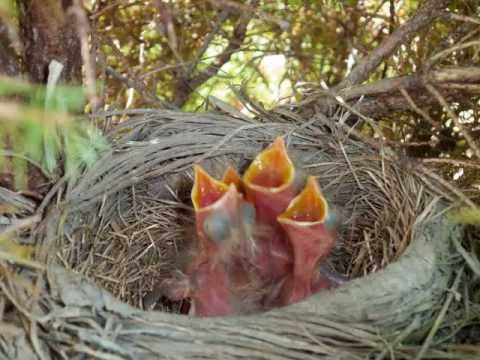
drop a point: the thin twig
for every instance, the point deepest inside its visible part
(470, 260)
(402, 336)
(450, 50)
(206, 43)
(463, 18)
(83, 30)
(456, 162)
(137, 85)
(453, 189)
(466, 134)
(20, 224)
(425, 14)
(419, 111)
(12, 258)
(186, 85)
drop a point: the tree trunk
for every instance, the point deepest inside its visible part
(48, 31)
(9, 64)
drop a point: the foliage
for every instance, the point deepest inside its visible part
(11, 251)
(149, 51)
(6, 8)
(466, 215)
(42, 129)
(314, 40)
(317, 40)
(290, 47)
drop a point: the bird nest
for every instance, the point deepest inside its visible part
(126, 224)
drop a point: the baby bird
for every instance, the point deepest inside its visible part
(216, 274)
(311, 238)
(260, 242)
(269, 185)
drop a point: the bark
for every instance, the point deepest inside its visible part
(49, 33)
(384, 97)
(9, 62)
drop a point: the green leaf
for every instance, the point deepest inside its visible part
(465, 215)
(7, 8)
(13, 251)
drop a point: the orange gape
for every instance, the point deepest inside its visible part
(269, 185)
(260, 243)
(310, 240)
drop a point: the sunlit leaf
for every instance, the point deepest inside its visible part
(34, 139)
(7, 8)
(10, 247)
(465, 215)
(44, 129)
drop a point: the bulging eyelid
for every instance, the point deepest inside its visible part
(217, 226)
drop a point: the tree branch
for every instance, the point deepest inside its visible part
(465, 132)
(138, 86)
(384, 97)
(425, 15)
(198, 56)
(387, 104)
(442, 77)
(187, 84)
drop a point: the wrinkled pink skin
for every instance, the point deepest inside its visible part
(215, 287)
(210, 292)
(211, 295)
(286, 259)
(310, 243)
(289, 253)
(274, 258)
(216, 274)
(228, 204)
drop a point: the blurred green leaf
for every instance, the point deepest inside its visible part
(45, 131)
(7, 8)
(465, 215)
(69, 98)
(19, 164)
(11, 249)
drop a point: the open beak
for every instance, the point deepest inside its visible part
(207, 194)
(310, 239)
(269, 185)
(206, 190)
(230, 176)
(220, 211)
(222, 217)
(269, 180)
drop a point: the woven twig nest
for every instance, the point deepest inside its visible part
(123, 227)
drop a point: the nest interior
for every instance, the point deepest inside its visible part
(136, 222)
